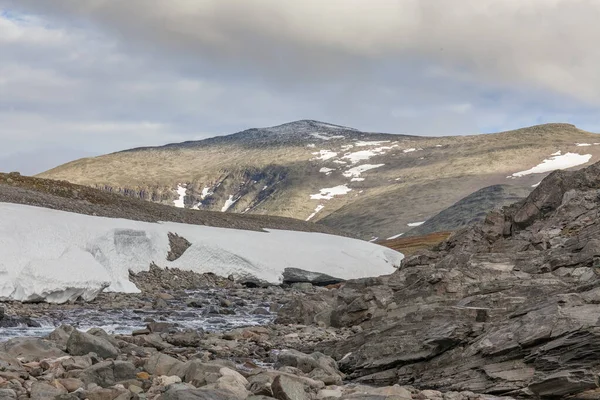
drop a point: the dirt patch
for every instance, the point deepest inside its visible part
(411, 245)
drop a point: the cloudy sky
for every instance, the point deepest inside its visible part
(84, 77)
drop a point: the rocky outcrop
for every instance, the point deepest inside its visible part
(509, 306)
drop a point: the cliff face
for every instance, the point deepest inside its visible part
(508, 306)
(369, 184)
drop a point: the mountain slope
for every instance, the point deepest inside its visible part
(368, 184)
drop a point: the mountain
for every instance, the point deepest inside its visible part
(471, 209)
(371, 185)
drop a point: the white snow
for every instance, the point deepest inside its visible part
(326, 137)
(362, 155)
(181, 191)
(371, 143)
(228, 203)
(58, 256)
(319, 208)
(395, 236)
(265, 187)
(328, 193)
(536, 185)
(564, 161)
(310, 145)
(340, 162)
(412, 224)
(558, 153)
(439, 145)
(326, 171)
(357, 179)
(324, 155)
(347, 147)
(582, 144)
(356, 171)
(205, 193)
(409, 150)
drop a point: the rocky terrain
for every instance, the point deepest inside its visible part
(371, 185)
(507, 307)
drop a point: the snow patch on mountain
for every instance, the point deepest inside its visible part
(58, 256)
(557, 162)
(329, 193)
(319, 208)
(181, 191)
(413, 224)
(324, 155)
(228, 203)
(370, 143)
(326, 171)
(356, 171)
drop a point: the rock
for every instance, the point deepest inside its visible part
(329, 394)
(196, 394)
(297, 275)
(285, 388)
(178, 246)
(71, 384)
(162, 364)
(45, 391)
(8, 394)
(81, 343)
(108, 373)
(31, 349)
(61, 335)
(187, 338)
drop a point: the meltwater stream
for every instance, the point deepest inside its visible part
(206, 314)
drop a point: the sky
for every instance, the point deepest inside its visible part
(85, 77)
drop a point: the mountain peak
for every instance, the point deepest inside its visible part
(307, 126)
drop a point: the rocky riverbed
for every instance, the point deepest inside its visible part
(169, 359)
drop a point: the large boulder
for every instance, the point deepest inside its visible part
(297, 275)
(31, 349)
(108, 373)
(81, 343)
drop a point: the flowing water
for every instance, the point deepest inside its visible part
(125, 321)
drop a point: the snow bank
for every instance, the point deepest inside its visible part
(556, 162)
(59, 256)
(319, 208)
(228, 203)
(324, 155)
(413, 224)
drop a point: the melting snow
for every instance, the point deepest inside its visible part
(311, 145)
(412, 224)
(340, 162)
(181, 191)
(265, 187)
(58, 256)
(228, 203)
(439, 145)
(347, 147)
(409, 150)
(536, 185)
(357, 179)
(326, 171)
(324, 155)
(319, 208)
(395, 236)
(582, 144)
(328, 193)
(565, 161)
(356, 171)
(205, 193)
(558, 153)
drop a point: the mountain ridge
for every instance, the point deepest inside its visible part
(368, 184)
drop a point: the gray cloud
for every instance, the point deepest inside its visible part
(103, 75)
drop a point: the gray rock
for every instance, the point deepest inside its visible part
(196, 394)
(45, 391)
(108, 373)
(31, 349)
(285, 388)
(81, 343)
(297, 275)
(8, 394)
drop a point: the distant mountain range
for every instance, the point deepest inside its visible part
(371, 185)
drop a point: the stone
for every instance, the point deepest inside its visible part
(162, 364)
(297, 275)
(8, 394)
(31, 349)
(61, 335)
(44, 391)
(108, 373)
(71, 384)
(285, 388)
(81, 343)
